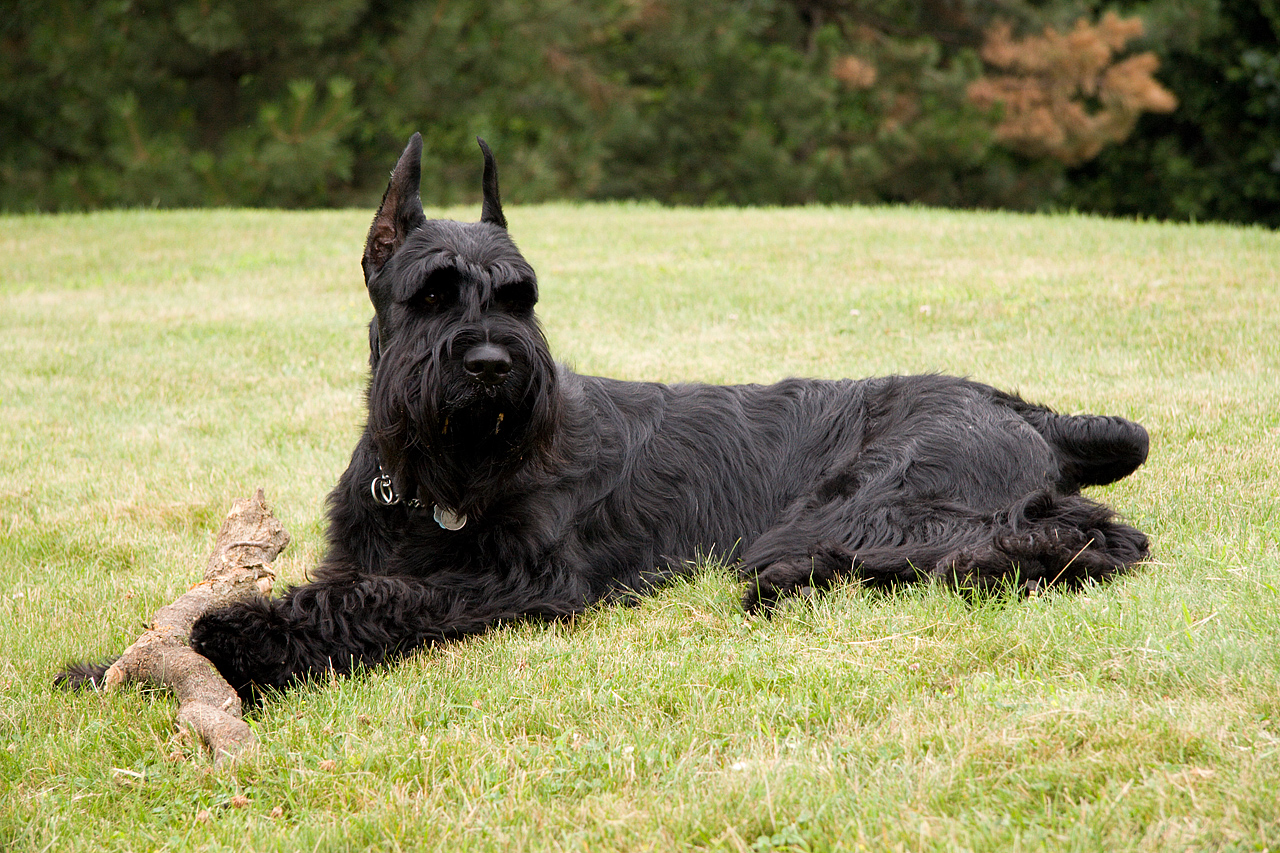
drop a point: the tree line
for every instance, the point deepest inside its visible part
(1162, 108)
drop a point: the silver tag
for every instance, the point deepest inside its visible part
(448, 519)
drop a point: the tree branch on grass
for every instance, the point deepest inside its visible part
(251, 537)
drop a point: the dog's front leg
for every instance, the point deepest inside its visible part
(333, 626)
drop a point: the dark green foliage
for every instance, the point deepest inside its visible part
(737, 103)
(280, 103)
(1218, 156)
(156, 103)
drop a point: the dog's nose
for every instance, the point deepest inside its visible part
(488, 363)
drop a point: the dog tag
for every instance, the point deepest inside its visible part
(448, 519)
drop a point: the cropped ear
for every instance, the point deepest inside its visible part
(491, 211)
(400, 212)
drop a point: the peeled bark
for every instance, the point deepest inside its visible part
(250, 539)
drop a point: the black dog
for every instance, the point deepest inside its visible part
(492, 483)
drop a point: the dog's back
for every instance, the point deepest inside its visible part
(767, 472)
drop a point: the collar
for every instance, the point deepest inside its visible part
(383, 489)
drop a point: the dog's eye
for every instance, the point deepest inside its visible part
(435, 291)
(427, 298)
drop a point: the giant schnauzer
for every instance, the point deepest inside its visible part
(492, 483)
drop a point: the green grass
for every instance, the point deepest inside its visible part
(154, 366)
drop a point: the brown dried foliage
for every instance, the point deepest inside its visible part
(854, 72)
(1065, 95)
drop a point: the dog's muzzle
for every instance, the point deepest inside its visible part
(487, 363)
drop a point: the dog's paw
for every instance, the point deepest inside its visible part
(247, 643)
(759, 598)
(781, 579)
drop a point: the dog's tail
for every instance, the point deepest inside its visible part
(1093, 450)
(1096, 450)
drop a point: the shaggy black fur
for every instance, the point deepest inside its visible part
(577, 489)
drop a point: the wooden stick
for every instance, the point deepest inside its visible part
(250, 539)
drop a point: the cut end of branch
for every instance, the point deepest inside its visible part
(115, 677)
(227, 737)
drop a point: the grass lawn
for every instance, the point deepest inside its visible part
(155, 366)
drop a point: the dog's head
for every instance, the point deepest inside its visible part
(463, 385)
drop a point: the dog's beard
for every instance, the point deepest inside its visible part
(448, 439)
(470, 420)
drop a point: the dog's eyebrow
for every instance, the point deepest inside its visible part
(488, 268)
(503, 272)
(442, 267)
